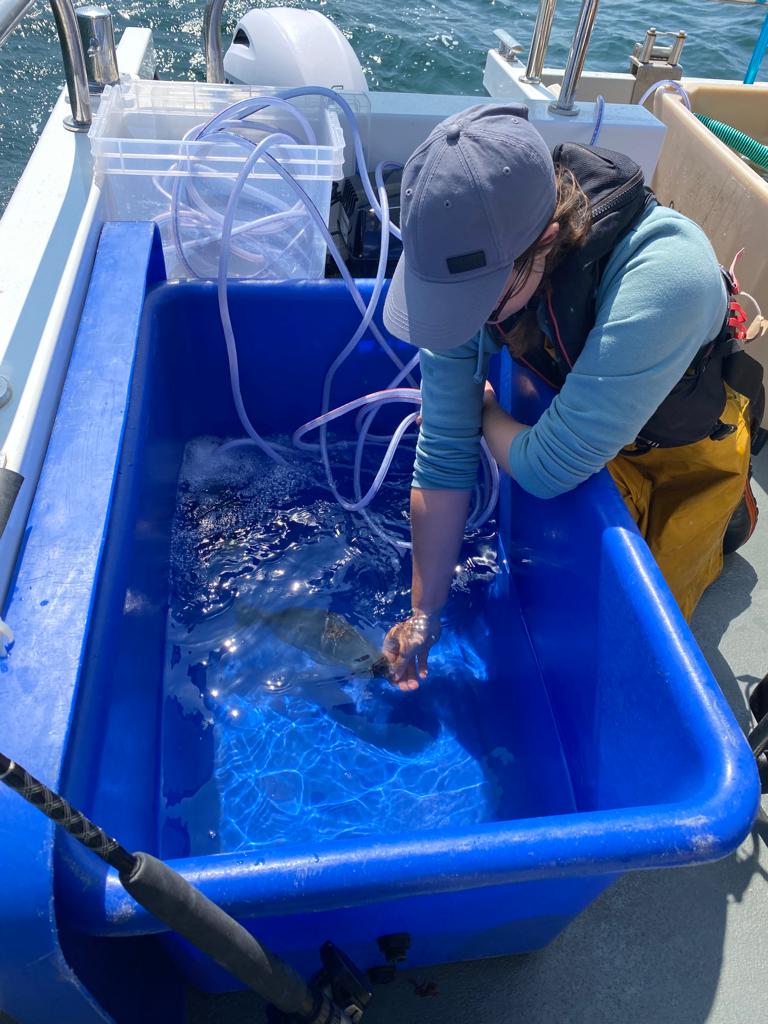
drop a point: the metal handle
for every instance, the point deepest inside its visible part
(508, 45)
(648, 50)
(576, 58)
(11, 13)
(540, 41)
(214, 58)
(74, 66)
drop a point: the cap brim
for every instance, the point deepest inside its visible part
(437, 315)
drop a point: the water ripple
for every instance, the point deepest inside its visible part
(265, 742)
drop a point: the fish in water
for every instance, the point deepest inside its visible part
(330, 640)
(325, 636)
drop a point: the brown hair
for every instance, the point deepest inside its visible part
(572, 213)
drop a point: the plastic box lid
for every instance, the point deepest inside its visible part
(140, 125)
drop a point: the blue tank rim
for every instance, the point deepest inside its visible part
(707, 826)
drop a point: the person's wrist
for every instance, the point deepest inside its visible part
(425, 613)
(427, 623)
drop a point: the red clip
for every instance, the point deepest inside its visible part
(737, 321)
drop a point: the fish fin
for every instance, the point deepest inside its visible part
(381, 668)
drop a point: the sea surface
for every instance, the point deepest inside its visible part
(402, 44)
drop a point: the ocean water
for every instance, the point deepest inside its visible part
(416, 45)
(266, 739)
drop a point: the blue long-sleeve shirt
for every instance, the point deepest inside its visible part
(661, 297)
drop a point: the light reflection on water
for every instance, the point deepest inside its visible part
(265, 741)
(423, 46)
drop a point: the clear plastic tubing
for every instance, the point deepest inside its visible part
(599, 115)
(222, 121)
(217, 125)
(347, 351)
(386, 397)
(272, 450)
(245, 108)
(331, 94)
(666, 83)
(229, 335)
(222, 125)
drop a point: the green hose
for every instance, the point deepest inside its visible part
(740, 141)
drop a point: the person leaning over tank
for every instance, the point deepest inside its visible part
(570, 263)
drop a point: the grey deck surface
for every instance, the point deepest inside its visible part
(683, 946)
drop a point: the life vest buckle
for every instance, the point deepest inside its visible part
(737, 320)
(722, 430)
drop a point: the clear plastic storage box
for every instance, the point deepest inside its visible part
(148, 170)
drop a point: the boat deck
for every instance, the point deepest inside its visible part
(685, 946)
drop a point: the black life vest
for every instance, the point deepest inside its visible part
(618, 198)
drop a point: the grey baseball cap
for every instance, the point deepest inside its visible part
(474, 196)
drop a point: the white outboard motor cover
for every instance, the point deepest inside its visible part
(285, 46)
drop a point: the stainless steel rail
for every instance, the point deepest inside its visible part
(214, 58)
(11, 13)
(540, 41)
(576, 58)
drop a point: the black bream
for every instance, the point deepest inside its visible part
(330, 640)
(325, 636)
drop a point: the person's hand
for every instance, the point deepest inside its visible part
(407, 646)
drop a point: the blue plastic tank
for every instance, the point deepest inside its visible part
(622, 751)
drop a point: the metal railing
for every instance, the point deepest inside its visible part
(11, 13)
(576, 58)
(214, 58)
(575, 65)
(540, 41)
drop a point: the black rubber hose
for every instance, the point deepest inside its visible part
(185, 910)
(758, 738)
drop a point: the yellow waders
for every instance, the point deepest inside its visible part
(682, 500)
